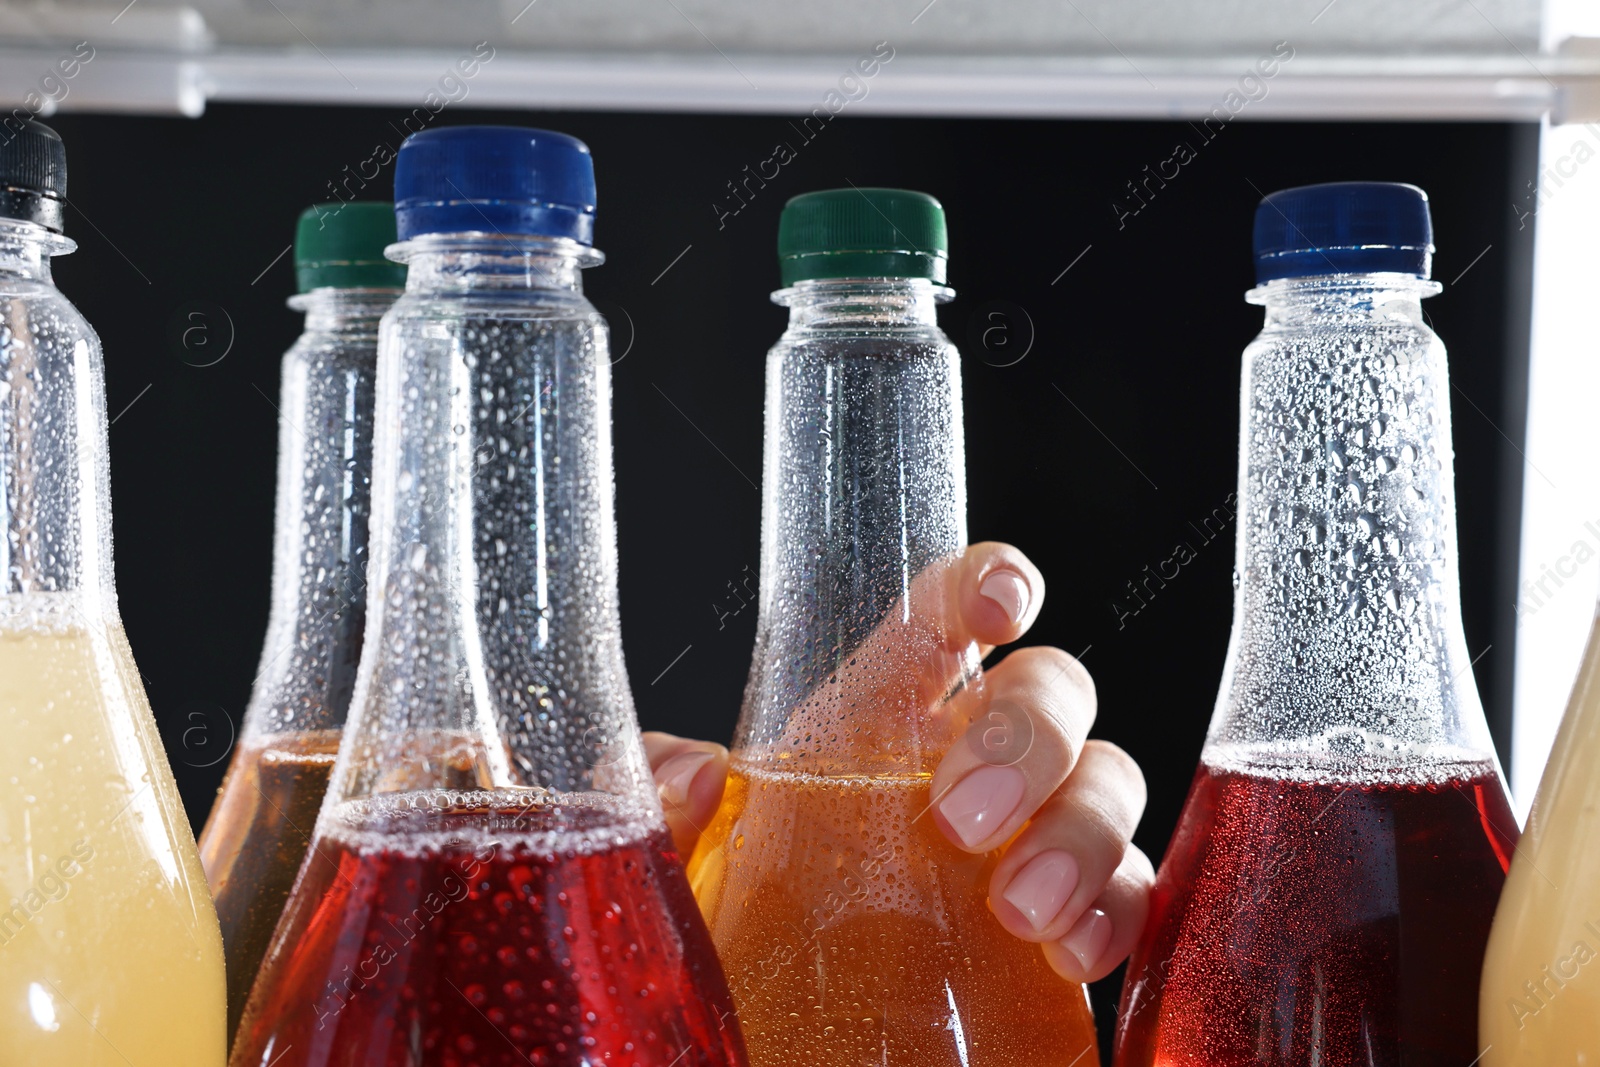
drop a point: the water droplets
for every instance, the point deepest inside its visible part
(1347, 550)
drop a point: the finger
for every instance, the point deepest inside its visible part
(1107, 932)
(924, 644)
(1022, 745)
(689, 777)
(989, 594)
(1063, 862)
(999, 592)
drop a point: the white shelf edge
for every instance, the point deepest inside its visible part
(1494, 88)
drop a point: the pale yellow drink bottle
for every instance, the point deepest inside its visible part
(1539, 1004)
(110, 954)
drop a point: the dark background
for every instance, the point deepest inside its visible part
(1093, 452)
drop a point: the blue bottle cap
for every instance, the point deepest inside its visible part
(506, 180)
(1343, 228)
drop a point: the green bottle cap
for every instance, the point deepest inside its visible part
(862, 233)
(341, 245)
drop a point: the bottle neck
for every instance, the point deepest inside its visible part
(1358, 300)
(314, 632)
(344, 314)
(851, 306)
(493, 623)
(864, 507)
(55, 548)
(446, 263)
(1347, 641)
(26, 249)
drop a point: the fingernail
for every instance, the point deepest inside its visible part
(674, 776)
(1088, 938)
(1009, 590)
(1042, 887)
(981, 801)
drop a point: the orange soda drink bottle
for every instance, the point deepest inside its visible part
(260, 826)
(851, 931)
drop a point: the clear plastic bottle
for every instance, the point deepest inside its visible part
(1540, 1000)
(851, 930)
(259, 828)
(491, 878)
(109, 950)
(1327, 894)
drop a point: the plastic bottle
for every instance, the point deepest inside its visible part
(852, 931)
(1327, 894)
(1540, 999)
(260, 826)
(492, 880)
(109, 949)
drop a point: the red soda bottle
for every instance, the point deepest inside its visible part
(1327, 896)
(490, 880)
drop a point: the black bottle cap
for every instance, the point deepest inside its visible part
(33, 174)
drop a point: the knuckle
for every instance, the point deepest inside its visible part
(655, 746)
(1064, 691)
(1121, 768)
(1137, 868)
(980, 550)
(1098, 829)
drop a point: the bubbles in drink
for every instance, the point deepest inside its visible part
(853, 932)
(1307, 914)
(491, 928)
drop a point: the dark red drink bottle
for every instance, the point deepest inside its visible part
(1327, 896)
(490, 881)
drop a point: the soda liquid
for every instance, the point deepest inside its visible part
(1299, 922)
(855, 933)
(108, 950)
(255, 840)
(563, 936)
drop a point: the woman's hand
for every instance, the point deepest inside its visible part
(1064, 808)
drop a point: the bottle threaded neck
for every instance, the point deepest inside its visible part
(478, 261)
